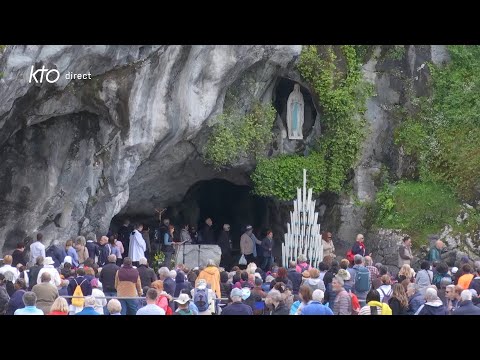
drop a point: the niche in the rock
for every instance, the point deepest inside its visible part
(282, 91)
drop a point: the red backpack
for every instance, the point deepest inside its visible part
(350, 256)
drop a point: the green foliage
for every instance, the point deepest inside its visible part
(236, 135)
(342, 94)
(418, 208)
(279, 177)
(361, 52)
(395, 52)
(157, 260)
(445, 133)
(2, 47)
(413, 136)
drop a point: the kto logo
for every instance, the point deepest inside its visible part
(50, 75)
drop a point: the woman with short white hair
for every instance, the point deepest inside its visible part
(433, 304)
(114, 307)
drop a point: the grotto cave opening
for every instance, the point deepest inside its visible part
(221, 200)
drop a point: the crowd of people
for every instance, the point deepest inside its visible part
(112, 276)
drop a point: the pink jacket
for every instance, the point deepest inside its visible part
(304, 265)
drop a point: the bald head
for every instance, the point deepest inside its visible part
(439, 244)
(360, 238)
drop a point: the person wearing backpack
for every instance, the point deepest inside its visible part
(424, 277)
(204, 298)
(78, 286)
(361, 280)
(385, 290)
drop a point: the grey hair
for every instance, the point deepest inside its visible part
(445, 282)
(91, 236)
(378, 265)
(477, 265)
(211, 262)
(143, 261)
(236, 298)
(339, 280)
(29, 298)
(89, 301)
(358, 259)
(412, 286)
(292, 265)
(112, 258)
(173, 274)
(114, 306)
(301, 258)
(318, 295)
(466, 295)
(431, 294)
(164, 272)
(275, 295)
(55, 242)
(81, 240)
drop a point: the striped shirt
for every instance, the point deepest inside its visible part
(367, 311)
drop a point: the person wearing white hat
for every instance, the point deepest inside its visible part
(182, 301)
(48, 267)
(68, 259)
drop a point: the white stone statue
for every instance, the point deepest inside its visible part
(295, 107)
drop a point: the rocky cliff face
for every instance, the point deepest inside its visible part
(75, 151)
(393, 80)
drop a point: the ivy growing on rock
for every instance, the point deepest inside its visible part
(280, 176)
(237, 135)
(444, 133)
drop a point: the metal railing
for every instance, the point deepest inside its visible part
(123, 297)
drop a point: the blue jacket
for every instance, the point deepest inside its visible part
(316, 308)
(237, 309)
(57, 254)
(415, 302)
(435, 308)
(16, 302)
(169, 286)
(88, 311)
(296, 279)
(467, 308)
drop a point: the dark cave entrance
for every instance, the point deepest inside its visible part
(221, 200)
(283, 89)
(225, 203)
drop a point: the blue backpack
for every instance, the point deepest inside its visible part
(362, 279)
(200, 299)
